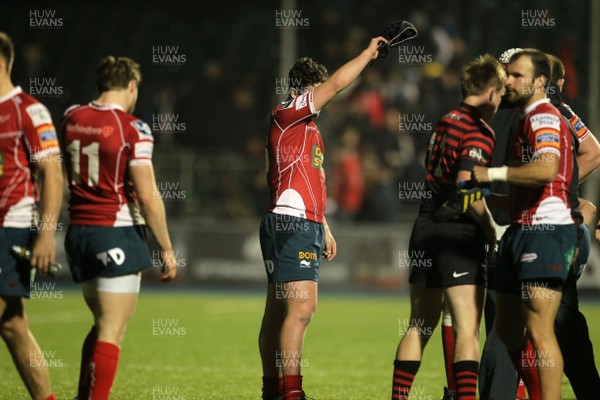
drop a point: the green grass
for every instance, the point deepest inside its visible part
(213, 353)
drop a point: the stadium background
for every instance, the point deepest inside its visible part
(213, 71)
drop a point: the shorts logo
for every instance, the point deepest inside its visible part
(459, 274)
(115, 255)
(270, 266)
(528, 257)
(307, 255)
(304, 264)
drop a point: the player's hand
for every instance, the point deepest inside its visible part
(330, 250)
(43, 252)
(169, 265)
(372, 49)
(480, 174)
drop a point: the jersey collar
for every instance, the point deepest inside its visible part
(105, 106)
(534, 105)
(11, 94)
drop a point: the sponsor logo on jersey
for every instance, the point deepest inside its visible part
(477, 154)
(545, 120)
(143, 150)
(302, 101)
(47, 136)
(307, 255)
(578, 126)
(317, 157)
(39, 114)
(84, 129)
(528, 257)
(142, 128)
(107, 131)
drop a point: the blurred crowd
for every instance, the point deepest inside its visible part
(220, 97)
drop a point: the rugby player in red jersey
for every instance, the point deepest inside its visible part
(536, 251)
(454, 250)
(294, 234)
(28, 150)
(113, 195)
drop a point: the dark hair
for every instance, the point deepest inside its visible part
(557, 68)
(481, 74)
(306, 72)
(7, 50)
(540, 61)
(116, 73)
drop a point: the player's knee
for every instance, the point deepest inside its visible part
(302, 315)
(540, 335)
(14, 327)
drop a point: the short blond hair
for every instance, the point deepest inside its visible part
(480, 74)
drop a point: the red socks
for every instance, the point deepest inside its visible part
(87, 352)
(51, 397)
(448, 346)
(525, 363)
(466, 373)
(103, 370)
(292, 386)
(404, 374)
(521, 393)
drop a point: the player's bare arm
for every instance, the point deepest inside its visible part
(44, 248)
(153, 210)
(330, 250)
(588, 210)
(588, 157)
(345, 75)
(540, 171)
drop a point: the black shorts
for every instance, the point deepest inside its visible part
(14, 274)
(444, 254)
(536, 253)
(292, 248)
(106, 251)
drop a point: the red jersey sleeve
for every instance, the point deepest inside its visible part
(141, 143)
(39, 131)
(295, 110)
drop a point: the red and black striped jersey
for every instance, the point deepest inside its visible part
(460, 140)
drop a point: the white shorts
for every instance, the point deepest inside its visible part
(119, 284)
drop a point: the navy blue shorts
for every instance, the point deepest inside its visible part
(292, 248)
(14, 274)
(534, 253)
(105, 251)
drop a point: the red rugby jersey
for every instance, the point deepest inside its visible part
(295, 155)
(542, 130)
(26, 136)
(100, 142)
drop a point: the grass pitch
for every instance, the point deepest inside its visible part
(184, 346)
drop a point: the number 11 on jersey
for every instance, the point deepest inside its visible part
(93, 165)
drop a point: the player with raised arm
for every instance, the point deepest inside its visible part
(455, 249)
(294, 234)
(28, 150)
(536, 251)
(113, 194)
